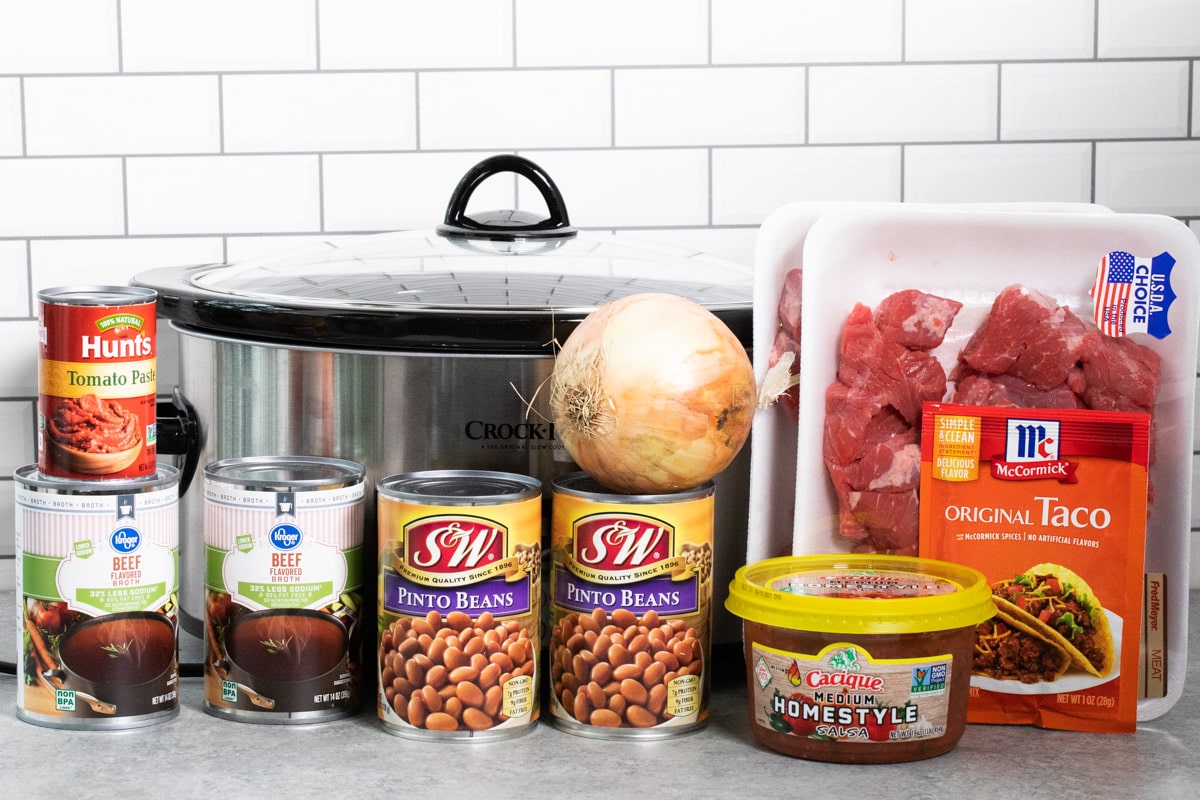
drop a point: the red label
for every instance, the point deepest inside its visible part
(453, 544)
(620, 542)
(97, 391)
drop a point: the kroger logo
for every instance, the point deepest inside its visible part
(285, 536)
(125, 540)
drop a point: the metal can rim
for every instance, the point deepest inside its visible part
(341, 472)
(511, 487)
(581, 484)
(30, 477)
(97, 295)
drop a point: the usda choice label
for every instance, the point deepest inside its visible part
(283, 603)
(97, 583)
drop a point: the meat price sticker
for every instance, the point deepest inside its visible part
(1057, 524)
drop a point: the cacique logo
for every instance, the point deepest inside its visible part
(125, 539)
(285, 536)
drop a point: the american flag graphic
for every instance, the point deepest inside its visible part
(1114, 279)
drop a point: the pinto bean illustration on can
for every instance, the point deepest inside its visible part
(630, 610)
(459, 604)
(97, 382)
(283, 610)
(97, 587)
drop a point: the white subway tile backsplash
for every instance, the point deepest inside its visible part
(10, 117)
(58, 37)
(1150, 28)
(1124, 99)
(582, 33)
(1149, 177)
(218, 35)
(504, 110)
(709, 106)
(733, 244)
(231, 194)
(630, 188)
(63, 262)
(18, 368)
(914, 103)
(17, 444)
(806, 31)
(979, 173)
(61, 197)
(430, 34)
(324, 111)
(397, 191)
(984, 30)
(750, 183)
(14, 277)
(122, 114)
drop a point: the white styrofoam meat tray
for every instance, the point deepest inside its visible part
(855, 253)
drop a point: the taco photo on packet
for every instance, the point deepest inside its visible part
(1008, 649)
(1060, 606)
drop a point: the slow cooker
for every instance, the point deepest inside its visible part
(415, 350)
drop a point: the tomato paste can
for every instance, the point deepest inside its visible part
(96, 382)
(283, 580)
(630, 610)
(97, 587)
(459, 604)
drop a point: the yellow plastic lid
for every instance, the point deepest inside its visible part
(865, 594)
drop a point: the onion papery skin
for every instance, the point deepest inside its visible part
(652, 394)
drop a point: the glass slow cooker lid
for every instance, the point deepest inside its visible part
(500, 282)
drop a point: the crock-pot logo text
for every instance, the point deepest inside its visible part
(608, 542)
(118, 346)
(453, 544)
(479, 430)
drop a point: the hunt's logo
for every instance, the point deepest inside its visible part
(617, 543)
(1031, 452)
(454, 544)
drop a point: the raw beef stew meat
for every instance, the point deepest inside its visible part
(1028, 352)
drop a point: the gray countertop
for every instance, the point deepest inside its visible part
(202, 756)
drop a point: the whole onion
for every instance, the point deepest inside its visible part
(652, 393)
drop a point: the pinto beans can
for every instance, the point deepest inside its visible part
(283, 611)
(630, 610)
(459, 604)
(97, 382)
(97, 588)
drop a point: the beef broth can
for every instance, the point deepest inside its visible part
(630, 610)
(97, 587)
(283, 604)
(96, 382)
(459, 604)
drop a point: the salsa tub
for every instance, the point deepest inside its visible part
(859, 659)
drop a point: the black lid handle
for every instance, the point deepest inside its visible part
(507, 224)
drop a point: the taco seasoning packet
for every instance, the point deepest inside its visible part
(1050, 505)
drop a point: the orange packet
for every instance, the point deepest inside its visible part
(1050, 505)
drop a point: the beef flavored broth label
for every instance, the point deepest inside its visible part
(97, 383)
(97, 583)
(283, 611)
(460, 604)
(630, 612)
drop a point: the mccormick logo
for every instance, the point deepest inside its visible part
(125, 539)
(454, 544)
(285, 536)
(608, 542)
(1031, 453)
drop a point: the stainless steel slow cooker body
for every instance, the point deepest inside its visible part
(418, 350)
